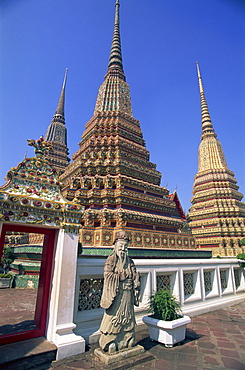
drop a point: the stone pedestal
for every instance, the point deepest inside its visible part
(117, 357)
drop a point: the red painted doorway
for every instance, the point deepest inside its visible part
(38, 322)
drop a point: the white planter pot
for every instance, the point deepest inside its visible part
(167, 332)
(5, 282)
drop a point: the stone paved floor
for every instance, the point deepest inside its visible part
(215, 340)
(17, 308)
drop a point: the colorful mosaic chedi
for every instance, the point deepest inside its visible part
(57, 135)
(217, 215)
(112, 176)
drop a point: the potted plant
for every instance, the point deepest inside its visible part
(167, 324)
(5, 280)
(7, 258)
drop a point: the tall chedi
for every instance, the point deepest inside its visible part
(111, 174)
(57, 135)
(217, 215)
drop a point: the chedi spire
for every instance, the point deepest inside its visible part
(60, 110)
(207, 127)
(211, 154)
(115, 64)
(114, 93)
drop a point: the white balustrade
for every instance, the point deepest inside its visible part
(201, 285)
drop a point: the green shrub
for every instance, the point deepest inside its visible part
(7, 258)
(242, 241)
(6, 275)
(241, 256)
(165, 306)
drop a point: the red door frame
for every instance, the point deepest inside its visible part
(44, 285)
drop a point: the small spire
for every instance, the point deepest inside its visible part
(58, 119)
(207, 127)
(115, 60)
(60, 110)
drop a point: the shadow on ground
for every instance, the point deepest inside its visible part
(17, 328)
(191, 335)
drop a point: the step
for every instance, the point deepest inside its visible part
(27, 354)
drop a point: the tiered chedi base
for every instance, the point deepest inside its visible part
(58, 156)
(217, 216)
(112, 177)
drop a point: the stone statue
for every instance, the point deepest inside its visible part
(120, 294)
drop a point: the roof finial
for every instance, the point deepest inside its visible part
(117, 5)
(40, 145)
(199, 78)
(207, 127)
(65, 78)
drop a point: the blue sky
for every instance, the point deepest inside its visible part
(161, 42)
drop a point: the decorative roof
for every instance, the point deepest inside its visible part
(32, 194)
(168, 219)
(175, 198)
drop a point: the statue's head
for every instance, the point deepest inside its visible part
(121, 243)
(121, 235)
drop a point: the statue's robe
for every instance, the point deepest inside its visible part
(120, 294)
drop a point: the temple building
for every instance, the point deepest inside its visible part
(112, 176)
(57, 135)
(217, 214)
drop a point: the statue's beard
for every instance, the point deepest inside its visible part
(122, 256)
